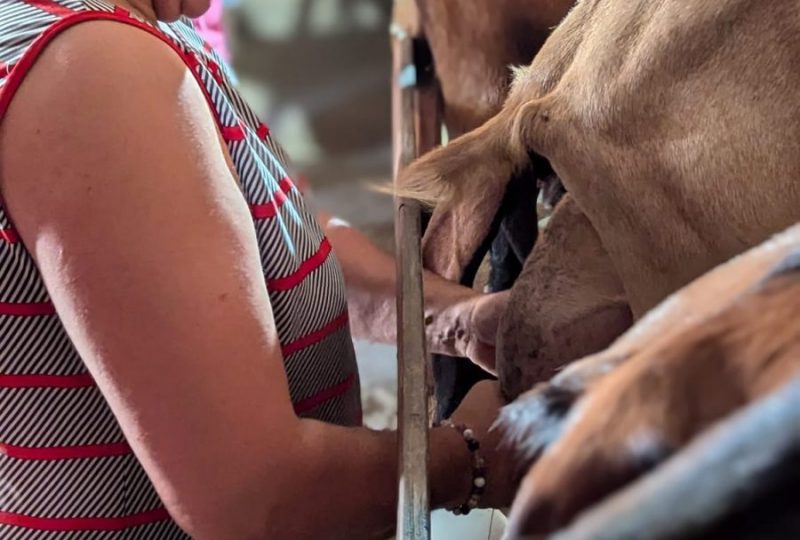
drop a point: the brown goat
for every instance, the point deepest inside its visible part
(674, 128)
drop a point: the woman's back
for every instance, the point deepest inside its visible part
(65, 465)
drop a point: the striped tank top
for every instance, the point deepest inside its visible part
(66, 471)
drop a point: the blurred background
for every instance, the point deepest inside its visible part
(318, 73)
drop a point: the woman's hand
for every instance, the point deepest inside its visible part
(479, 411)
(459, 321)
(468, 328)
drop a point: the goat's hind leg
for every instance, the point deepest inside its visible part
(534, 420)
(667, 394)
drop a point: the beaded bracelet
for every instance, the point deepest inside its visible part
(478, 469)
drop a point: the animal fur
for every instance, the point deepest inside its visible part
(673, 126)
(724, 341)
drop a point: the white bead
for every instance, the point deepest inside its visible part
(468, 434)
(479, 481)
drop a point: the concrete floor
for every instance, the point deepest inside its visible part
(318, 72)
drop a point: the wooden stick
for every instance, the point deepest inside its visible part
(413, 503)
(415, 121)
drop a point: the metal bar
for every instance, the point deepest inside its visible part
(416, 125)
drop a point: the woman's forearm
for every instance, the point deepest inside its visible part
(371, 278)
(344, 482)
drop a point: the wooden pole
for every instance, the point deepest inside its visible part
(415, 123)
(413, 513)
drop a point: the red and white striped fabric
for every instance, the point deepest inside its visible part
(66, 471)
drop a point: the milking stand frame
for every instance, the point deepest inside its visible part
(416, 129)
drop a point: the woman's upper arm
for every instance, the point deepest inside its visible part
(112, 170)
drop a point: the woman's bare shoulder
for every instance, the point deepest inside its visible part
(98, 57)
(93, 91)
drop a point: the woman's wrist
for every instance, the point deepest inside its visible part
(451, 468)
(478, 477)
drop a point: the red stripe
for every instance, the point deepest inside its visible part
(46, 381)
(9, 235)
(315, 337)
(329, 393)
(84, 524)
(50, 6)
(213, 67)
(191, 60)
(286, 184)
(262, 131)
(33, 309)
(232, 133)
(270, 209)
(66, 452)
(305, 268)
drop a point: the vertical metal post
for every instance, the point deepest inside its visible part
(415, 121)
